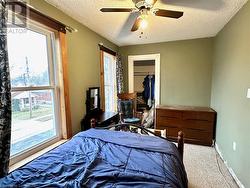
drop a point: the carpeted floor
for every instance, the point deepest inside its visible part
(205, 168)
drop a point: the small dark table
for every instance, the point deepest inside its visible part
(103, 119)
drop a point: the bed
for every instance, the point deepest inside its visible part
(105, 158)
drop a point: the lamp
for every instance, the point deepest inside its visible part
(248, 93)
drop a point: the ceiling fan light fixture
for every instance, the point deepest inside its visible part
(143, 23)
(149, 2)
(144, 8)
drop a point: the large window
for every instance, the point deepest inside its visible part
(110, 87)
(34, 84)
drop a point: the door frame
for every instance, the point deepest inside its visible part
(156, 57)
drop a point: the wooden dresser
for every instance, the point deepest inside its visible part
(197, 123)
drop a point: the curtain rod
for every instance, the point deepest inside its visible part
(108, 50)
(35, 14)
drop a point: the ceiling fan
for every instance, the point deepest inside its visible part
(145, 7)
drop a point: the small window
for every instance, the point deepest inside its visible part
(35, 101)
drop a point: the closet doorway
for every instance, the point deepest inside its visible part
(145, 68)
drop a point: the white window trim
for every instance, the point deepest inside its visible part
(155, 57)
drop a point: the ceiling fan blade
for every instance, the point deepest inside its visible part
(116, 9)
(168, 13)
(136, 24)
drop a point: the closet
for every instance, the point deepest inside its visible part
(144, 83)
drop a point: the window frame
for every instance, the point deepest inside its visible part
(102, 74)
(53, 49)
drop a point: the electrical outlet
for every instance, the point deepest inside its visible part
(234, 146)
(248, 93)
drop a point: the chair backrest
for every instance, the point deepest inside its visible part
(127, 104)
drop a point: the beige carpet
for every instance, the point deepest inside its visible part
(205, 168)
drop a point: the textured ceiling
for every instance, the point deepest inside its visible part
(202, 18)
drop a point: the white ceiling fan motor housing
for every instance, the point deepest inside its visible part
(142, 4)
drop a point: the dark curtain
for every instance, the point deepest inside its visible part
(5, 95)
(119, 74)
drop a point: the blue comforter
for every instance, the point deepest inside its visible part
(104, 158)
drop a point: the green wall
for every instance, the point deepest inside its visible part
(186, 70)
(84, 59)
(231, 79)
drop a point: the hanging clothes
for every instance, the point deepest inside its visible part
(149, 89)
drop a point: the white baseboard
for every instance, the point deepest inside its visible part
(229, 168)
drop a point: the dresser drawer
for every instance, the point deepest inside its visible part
(202, 116)
(198, 125)
(168, 122)
(175, 114)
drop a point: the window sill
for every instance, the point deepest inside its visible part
(34, 156)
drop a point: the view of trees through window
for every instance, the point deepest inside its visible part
(27, 79)
(33, 89)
